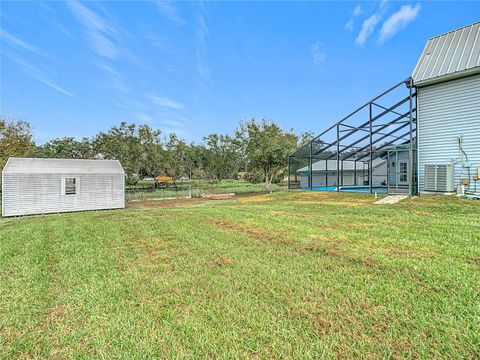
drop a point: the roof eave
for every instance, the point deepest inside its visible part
(448, 77)
(6, 164)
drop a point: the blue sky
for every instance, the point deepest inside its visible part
(76, 68)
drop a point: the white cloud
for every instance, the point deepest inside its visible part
(202, 66)
(116, 79)
(21, 44)
(358, 10)
(142, 117)
(349, 25)
(317, 52)
(368, 27)
(398, 21)
(173, 123)
(166, 102)
(99, 31)
(38, 75)
(167, 9)
(127, 102)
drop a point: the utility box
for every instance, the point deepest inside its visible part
(439, 177)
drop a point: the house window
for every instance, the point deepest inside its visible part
(70, 186)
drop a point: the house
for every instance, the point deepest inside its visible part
(40, 186)
(426, 129)
(447, 80)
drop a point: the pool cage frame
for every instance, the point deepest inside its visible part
(362, 146)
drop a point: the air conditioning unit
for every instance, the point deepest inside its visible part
(439, 177)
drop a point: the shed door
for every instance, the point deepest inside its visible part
(402, 175)
(398, 181)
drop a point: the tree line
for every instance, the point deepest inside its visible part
(258, 148)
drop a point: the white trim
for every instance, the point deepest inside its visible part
(3, 186)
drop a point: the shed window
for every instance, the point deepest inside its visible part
(70, 186)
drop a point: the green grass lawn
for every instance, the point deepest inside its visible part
(285, 275)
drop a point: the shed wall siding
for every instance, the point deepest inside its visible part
(24, 194)
(446, 111)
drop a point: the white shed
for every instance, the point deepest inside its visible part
(447, 78)
(40, 186)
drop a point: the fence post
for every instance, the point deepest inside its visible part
(410, 150)
(310, 167)
(338, 157)
(288, 174)
(355, 173)
(370, 166)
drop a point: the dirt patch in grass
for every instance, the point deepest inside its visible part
(58, 313)
(331, 250)
(402, 251)
(254, 199)
(334, 251)
(475, 260)
(326, 198)
(353, 203)
(310, 195)
(249, 230)
(316, 315)
(329, 227)
(153, 255)
(151, 204)
(223, 262)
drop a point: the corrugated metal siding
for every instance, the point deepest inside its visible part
(446, 111)
(25, 194)
(446, 55)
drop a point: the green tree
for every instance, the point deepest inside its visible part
(266, 147)
(152, 155)
(222, 156)
(16, 139)
(196, 160)
(176, 157)
(66, 148)
(138, 148)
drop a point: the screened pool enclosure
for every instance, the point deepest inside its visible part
(370, 150)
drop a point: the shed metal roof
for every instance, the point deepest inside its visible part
(448, 56)
(61, 166)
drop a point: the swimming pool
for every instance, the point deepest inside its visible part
(354, 189)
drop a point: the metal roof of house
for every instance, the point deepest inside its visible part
(448, 56)
(61, 166)
(348, 165)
